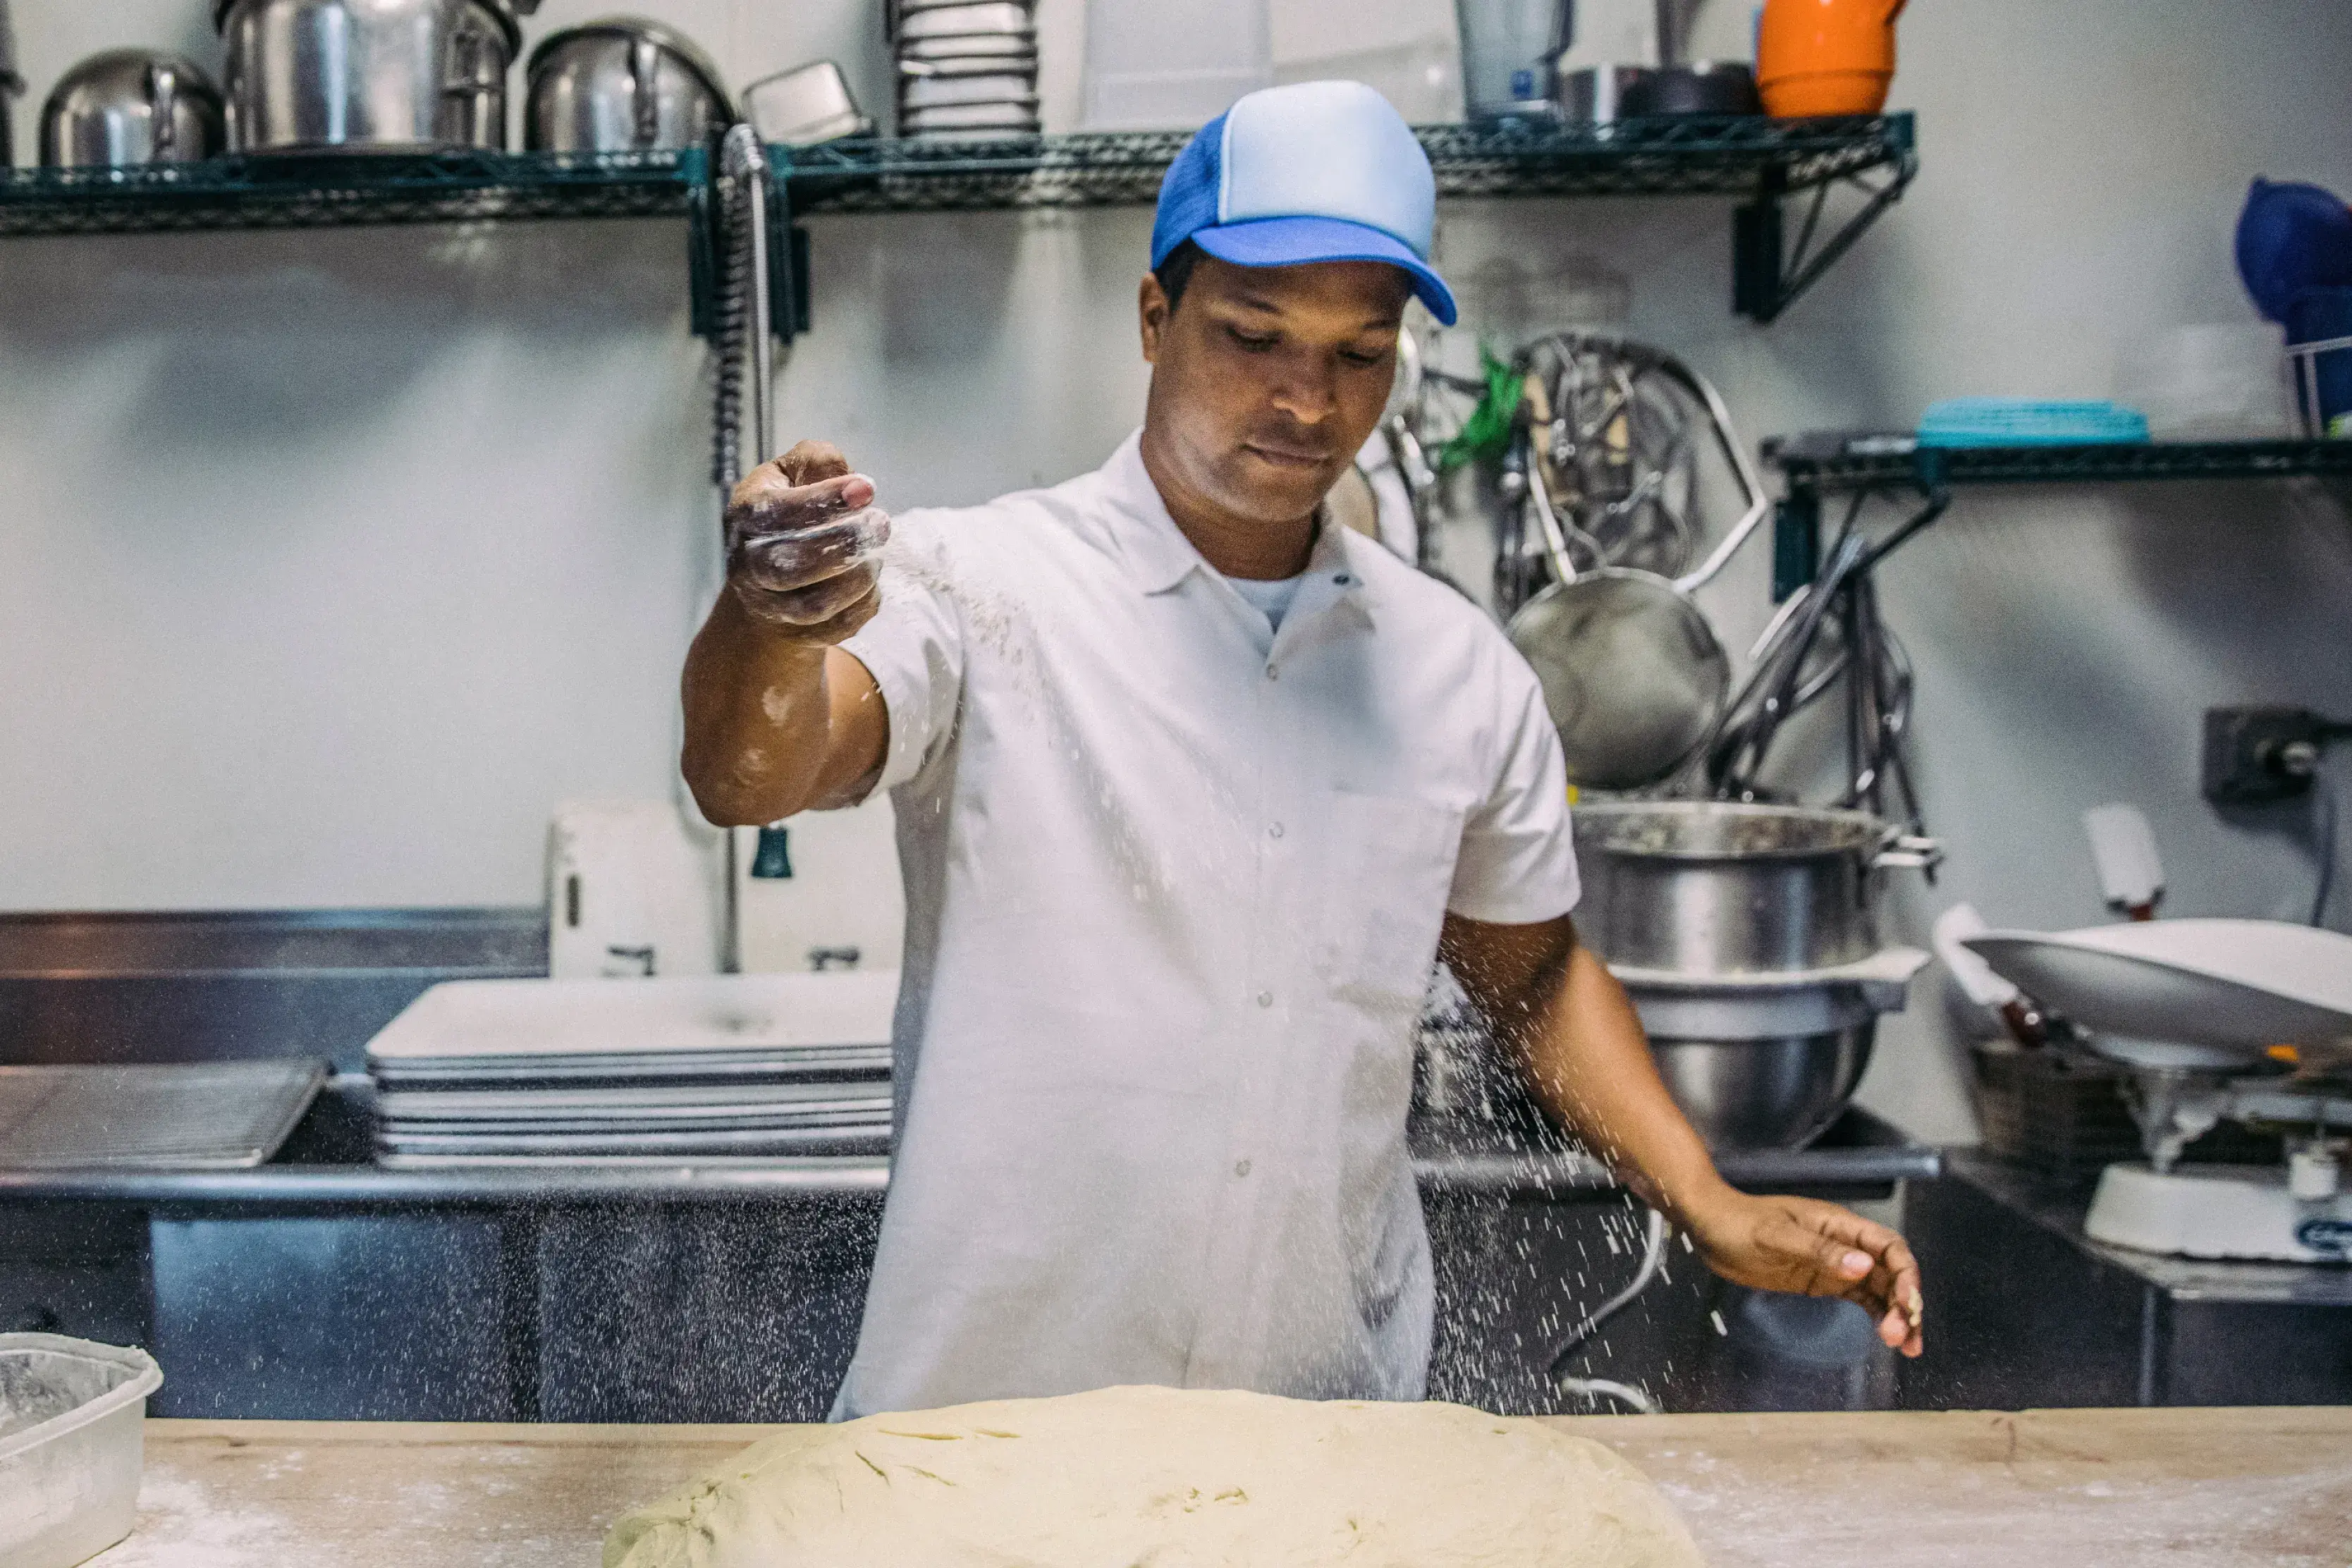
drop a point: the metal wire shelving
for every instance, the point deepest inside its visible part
(319, 191)
(1814, 467)
(1766, 164)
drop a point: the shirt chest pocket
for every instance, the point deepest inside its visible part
(1388, 865)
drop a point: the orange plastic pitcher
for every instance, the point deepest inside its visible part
(1826, 56)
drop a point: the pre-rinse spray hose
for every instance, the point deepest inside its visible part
(743, 333)
(744, 330)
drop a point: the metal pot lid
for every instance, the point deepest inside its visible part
(499, 11)
(668, 38)
(1724, 830)
(1633, 676)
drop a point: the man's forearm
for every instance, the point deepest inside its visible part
(758, 720)
(1591, 1066)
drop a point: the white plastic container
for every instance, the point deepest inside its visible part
(1172, 65)
(72, 1417)
(2215, 381)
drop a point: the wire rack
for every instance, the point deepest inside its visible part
(313, 191)
(1814, 466)
(1925, 468)
(1728, 156)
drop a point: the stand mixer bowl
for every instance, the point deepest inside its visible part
(1777, 1092)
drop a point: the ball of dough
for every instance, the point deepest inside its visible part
(1122, 1477)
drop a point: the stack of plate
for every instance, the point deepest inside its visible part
(966, 70)
(727, 1068)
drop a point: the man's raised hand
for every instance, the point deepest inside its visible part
(807, 557)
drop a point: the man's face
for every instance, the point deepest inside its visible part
(1266, 380)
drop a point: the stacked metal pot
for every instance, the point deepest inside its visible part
(410, 75)
(1748, 936)
(387, 76)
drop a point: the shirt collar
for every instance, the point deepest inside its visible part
(1158, 556)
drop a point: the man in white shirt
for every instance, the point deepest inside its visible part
(1193, 792)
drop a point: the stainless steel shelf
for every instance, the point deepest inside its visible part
(1710, 156)
(306, 191)
(1854, 464)
(1766, 162)
(1899, 463)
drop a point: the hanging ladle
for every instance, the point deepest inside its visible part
(1633, 675)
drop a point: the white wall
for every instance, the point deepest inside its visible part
(328, 561)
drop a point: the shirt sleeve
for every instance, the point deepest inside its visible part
(1517, 864)
(914, 648)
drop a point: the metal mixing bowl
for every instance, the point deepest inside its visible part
(1774, 1093)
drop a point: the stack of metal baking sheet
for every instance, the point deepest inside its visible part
(737, 1067)
(966, 70)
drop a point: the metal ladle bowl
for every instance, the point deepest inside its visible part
(1633, 675)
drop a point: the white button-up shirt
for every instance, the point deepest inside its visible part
(1173, 887)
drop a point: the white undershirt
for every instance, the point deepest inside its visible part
(1269, 596)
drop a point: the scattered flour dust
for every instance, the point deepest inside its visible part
(1971, 1517)
(182, 1525)
(997, 626)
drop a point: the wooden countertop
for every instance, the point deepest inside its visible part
(2069, 1488)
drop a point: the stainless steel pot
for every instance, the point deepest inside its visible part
(11, 84)
(368, 75)
(132, 106)
(1708, 888)
(621, 84)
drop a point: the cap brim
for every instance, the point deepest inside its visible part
(1296, 241)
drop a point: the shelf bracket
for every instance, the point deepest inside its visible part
(1768, 273)
(1796, 541)
(707, 242)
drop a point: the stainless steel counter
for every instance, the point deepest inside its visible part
(327, 1165)
(321, 1285)
(205, 985)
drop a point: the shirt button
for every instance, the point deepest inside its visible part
(1274, 831)
(1241, 1169)
(1266, 998)
(1272, 673)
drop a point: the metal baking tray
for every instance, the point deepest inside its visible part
(771, 1140)
(668, 1068)
(190, 1116)
(631, 1104)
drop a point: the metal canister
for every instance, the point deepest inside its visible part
(311, 75)
(620, 85)
(129, 107)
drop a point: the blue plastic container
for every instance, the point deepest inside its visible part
(2028, 422)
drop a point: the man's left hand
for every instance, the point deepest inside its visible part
(1813, 1249)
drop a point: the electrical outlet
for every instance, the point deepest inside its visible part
(2254, 754)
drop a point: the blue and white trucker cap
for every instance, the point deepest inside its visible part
(1316, 170)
